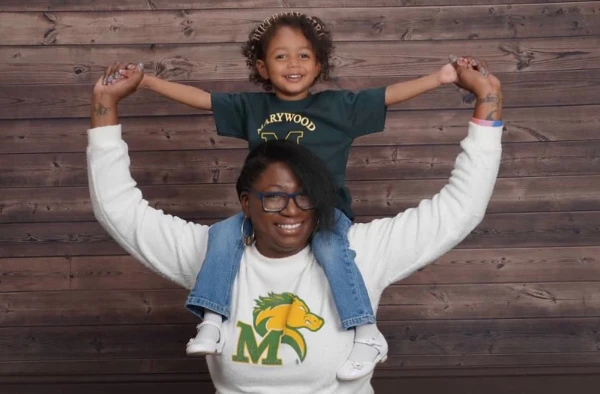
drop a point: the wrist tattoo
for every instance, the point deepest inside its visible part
(492, 115)
(490, 98)
(496, 105)
(101, 110)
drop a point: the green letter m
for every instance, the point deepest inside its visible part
(247, 340)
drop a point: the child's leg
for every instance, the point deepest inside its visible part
(210, 298)
(332, 251)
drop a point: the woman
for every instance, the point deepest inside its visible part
(284, 333)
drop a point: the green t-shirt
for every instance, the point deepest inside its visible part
(325, 122)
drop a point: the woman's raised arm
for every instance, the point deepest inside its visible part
(168, 245)
(392, 248)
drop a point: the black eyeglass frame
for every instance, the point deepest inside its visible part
(261, 196)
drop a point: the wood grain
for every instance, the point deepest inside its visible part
(174, 369)
(398, 303)
(382, 383)
(515, 305)
(459, 266)
(543, 159)
(568, 123)
(134, 5)
(529, 89)
(34, 274)
(349, 24)
(61, 65)
(456, 337)
(205, 201)
(508, 230)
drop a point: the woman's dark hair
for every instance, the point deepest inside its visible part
(313, 28)
(314, 177)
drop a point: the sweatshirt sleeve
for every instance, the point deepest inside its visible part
(390, 249)
(166, 244)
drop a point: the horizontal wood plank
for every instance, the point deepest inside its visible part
(520, 90)
(568, 264)
(466, 266)
(114, 368)
(456, 337)
(122, 272)
(541, 159)
(490, 301)
(398, 303)
(403, 59)
(492, 336)
(205, 201)
(510, 230)
(382, 383)
(34, 274)
(56, 240)
(69, 308)
(187, 369)
(569, 123)
(349, 24)
(135, 5)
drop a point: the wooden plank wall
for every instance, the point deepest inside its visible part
(515, 307)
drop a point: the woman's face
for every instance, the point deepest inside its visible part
(284, 233)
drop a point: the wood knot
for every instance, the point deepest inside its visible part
(50, 37)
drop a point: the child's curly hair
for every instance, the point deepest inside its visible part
(315, 31)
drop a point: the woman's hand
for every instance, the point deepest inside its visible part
(112, 88)
(473, 76)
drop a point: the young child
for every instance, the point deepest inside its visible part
(288, 53)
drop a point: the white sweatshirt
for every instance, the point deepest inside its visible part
(284, 334)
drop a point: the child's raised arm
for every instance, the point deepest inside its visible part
(406, 90)
(188, 95)
(184, 94)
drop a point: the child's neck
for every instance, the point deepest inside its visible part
(294, 97)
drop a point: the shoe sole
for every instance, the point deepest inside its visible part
(198, 351)
(382, 360)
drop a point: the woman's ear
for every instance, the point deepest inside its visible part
(261, 67)
(245, 203)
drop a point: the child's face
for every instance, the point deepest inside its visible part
(290, 64)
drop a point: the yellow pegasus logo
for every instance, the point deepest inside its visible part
(278, 319)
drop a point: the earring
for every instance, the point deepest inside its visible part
(248, 239)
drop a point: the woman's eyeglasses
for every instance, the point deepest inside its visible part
(278, 201)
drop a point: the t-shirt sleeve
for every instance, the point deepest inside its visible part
(229, 112)
(363, 112)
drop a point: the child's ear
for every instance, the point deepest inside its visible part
(261, 67)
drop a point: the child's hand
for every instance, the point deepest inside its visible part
(447, 74)
(471, 63)
(127, 72)
(473, 75)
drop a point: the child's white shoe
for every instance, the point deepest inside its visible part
(204, 343)
(357, 369)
